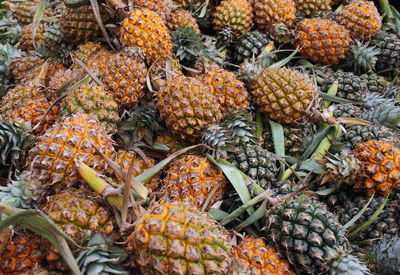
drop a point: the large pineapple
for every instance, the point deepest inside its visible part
(187, 106)
(177, 238)
(322, 40)
(53, 158)
(195, 180)
(260, 259)
(282, 94)
(372, 167)
(361, 18)
(22, 253)
(125, 76)
(230, 92)
(92, 99)
(143, 28)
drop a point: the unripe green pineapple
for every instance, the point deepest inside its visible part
(389, 45)
(249, 45)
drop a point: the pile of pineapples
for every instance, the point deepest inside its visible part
(199, 137)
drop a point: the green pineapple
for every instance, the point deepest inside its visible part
(350, 86)
(385, 257)
(389, 46)
(249, 45)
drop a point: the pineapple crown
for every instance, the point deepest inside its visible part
(7, 53)
(243, 127)
(220, 139)
(347, 263)
(364, 56)
(386, 256)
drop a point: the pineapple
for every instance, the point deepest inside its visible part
(170, 140)
(187, 106)
(232, 18)
(258, 258)
(375, 83)
(385, 256)
(89, 54)
(257, 163)
(125, 76)
(22, 253)
(181, 18)
(372, 167)
(195, 180)
(60, 78)
(312, 8)
(21, 67)
(29, 42)
(125, 158)
(25, 11)
(249, 45)
(361, 18)
(389, 46)
(322, 40)
(229, 91)
(53, 158)
(311, 237)
(161, 7)
(143, 28)
(176, 237)
(80, 24)
(272, 15)
(92, 99)
(350, 86)
(282, 94)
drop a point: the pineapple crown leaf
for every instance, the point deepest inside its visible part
(365, 56)
(346, 263)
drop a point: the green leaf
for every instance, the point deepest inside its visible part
(284, 61)
(216, 214)
(259, 129)
(336, 99)
(258, 214)
(278, 139)
(359, 214)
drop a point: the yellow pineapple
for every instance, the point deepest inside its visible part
(181, 18)
(29, 42)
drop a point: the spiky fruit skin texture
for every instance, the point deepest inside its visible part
(305, 232)
(385, 224)
(375, 83)
(271, 12)
(86, 53)
(22, 253)
(28, 105)
(171, 141)
(230, 92)
(59, 79)
(284, 95)
(311, 8)
(236, 15)
(177, 238)
(361, 18)
(20, 67)
(125, 76)
(26, 40)
(350, 86)
(125, 158)
(260, 259)
(53, 158)
(380, 167)
(181, 18)
(322, 41)
(195, 180)
(161, 7)
(25, 11)
(250, 44)
(80, 24)
(187, 106)
(143, 28)
(93, 100)
(257, 163)
(389, 45)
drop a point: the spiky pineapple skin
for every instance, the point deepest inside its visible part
(271, 12)
(175, 237)
(187, 106)
(236, 15)
(20, 67)
(53, 158)
(230, 92)
(181, 18)
(322, 40)
(305, 232)
(250, 44)
(380, 167)
(389, 45)
(350, 86)
(125, 77)
(284, 95)
(161, 7)
(311, 8)
(22, 253)
(194, 179)
(361, 18)
(259, 258)
(26, 40)
(143, 28)
(60, 78)
(93, 100)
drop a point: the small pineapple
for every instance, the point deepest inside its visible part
(361, 18)
(21, 67)
(143, 28)
(59, 79)
(195, 180)
(181, 18)
(322, 40)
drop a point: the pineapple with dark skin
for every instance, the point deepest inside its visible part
(389, 45)
(249, 45)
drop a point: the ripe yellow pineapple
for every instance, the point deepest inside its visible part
(86, 53)
(196, 180)
(187, 106)
(181, 18)
(361, 18)
(92, 99)
(143, 28)
(260, 259)
(230, 92)
(59, 79)
(313, 7)
(125, 76)
(26, 40)
(21, 67)
(322, 41)
(161, 7)
(53, 158)
(177, 238)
